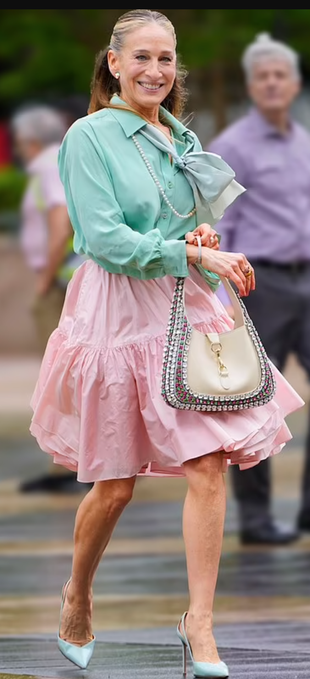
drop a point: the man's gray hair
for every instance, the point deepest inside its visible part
(39, 123)
(265, 48)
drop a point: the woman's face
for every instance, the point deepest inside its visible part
(147, 67)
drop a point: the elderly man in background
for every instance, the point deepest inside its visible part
(270, 223)
(46, 241)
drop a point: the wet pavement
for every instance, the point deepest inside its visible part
(154, 658)
(262, 607)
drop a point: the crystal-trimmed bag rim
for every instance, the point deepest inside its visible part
(175, 389)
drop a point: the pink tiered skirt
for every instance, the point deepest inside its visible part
(97, 405)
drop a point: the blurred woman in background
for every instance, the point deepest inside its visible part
(46, 240)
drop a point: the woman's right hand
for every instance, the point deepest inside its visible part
(231, 265)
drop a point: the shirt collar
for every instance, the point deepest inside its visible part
(265, 128)
(131, 122)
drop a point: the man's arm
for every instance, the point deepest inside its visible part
(230, 153)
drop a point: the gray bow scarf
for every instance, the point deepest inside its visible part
(211, 178)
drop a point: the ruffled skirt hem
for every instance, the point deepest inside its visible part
(97, 405)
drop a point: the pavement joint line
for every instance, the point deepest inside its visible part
(14, 503)
(124, 613)
(162, 545)
(116, 547)
(37, 601)
(141, 550)
(169, 642)
(23, 676)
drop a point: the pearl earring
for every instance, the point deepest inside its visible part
(117, 75)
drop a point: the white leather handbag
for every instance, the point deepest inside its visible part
(214, 372)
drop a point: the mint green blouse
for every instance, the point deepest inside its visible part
(118, 215)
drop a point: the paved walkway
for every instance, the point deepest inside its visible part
(262, 608)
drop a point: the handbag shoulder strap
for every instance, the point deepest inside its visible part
(235, 302)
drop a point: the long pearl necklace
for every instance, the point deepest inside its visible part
(158, 184)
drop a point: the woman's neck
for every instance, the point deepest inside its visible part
(165, 129)
(152, 117)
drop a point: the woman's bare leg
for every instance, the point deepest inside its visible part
(95, 521)
(203, 527)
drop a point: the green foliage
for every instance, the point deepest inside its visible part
(41, 55)
(205, 36)
(47, 53)
(12, 186)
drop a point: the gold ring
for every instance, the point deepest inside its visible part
(248, 273)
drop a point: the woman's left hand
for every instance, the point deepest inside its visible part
(209, 237)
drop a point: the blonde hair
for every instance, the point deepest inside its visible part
(104, 85)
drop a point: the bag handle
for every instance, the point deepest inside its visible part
(235, 302)
(233, 296)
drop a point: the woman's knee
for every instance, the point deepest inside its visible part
(205, 468)
(115, 494)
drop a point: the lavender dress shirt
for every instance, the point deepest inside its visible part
(271, 220)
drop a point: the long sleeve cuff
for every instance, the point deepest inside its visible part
(174, 258)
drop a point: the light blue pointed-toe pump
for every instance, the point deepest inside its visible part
(211, 670)
(79, 655)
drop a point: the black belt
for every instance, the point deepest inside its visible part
(290, 267)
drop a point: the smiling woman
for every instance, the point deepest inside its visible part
(146, 78)
(140, 190)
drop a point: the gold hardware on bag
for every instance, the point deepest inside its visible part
(216, 347)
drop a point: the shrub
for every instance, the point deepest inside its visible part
(12, 186)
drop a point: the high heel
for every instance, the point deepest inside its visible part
(79, 655)
(200, 669)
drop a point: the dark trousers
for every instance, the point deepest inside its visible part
(280, 310)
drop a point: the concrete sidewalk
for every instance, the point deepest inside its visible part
(275, 651)
(18, 376)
